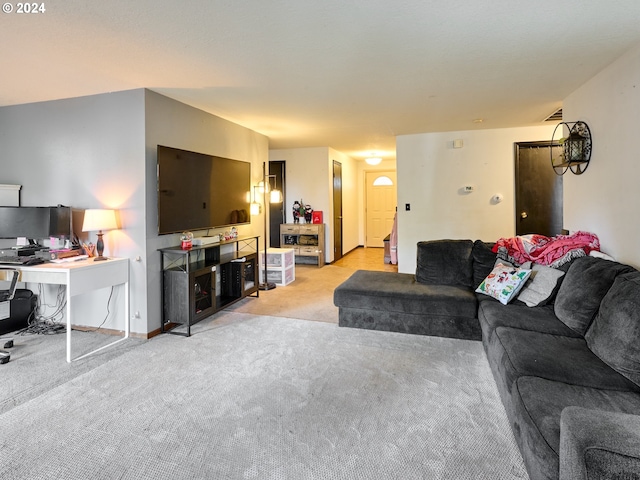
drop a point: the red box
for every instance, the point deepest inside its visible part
(317, 216)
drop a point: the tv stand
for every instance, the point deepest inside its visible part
(200, 281)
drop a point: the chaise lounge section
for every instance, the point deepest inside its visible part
(437, 301)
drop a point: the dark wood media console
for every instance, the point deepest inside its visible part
(203, 280)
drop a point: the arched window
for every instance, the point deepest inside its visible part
(382, 181)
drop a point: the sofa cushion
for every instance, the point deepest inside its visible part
(537, 409)
(483, 261)
(586, 283)
(541, 285)
(517, 353)
(540, 319)
(399, 292)
(504, 282)
(614, 335)
(445, 262)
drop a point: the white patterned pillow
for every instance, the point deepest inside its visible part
(504, 282)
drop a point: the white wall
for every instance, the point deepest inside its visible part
(84, 152)
(309, 177)
(431, 174)
(606, 198)
(100, 151)
(306, 174)
(175, 124)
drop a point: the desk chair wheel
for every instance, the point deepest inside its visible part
(4, 357)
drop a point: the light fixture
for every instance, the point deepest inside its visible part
(275, 196)
(99, 220)
(576, 148)
(255, 208)
(373, 160)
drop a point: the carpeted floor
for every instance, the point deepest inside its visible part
(309, 297)
(38, 363)
(264, 397)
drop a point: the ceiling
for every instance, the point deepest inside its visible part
(350, 75)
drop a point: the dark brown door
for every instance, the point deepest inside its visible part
(538, 190)
(276, 210)
(337, 210)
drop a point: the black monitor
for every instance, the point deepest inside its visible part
(35, 222)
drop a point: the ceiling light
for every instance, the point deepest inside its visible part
(373, 160)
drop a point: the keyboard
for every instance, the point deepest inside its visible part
(20, 260)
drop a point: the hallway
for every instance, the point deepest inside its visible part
(366, 258)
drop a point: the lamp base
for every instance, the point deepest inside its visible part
(98, 259)
(266, 286)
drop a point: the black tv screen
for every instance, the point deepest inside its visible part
(197, 191)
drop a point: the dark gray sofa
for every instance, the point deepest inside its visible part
(568, 372)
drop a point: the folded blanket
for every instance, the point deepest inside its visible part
(552, 251)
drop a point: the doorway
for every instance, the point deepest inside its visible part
(276, 210)
(337, 210)
(381, 198)
(538, 189)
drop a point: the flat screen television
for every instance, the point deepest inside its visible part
(197, 191)
(36, 223)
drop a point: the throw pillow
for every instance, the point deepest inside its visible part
(540, 286)
(504, 282)
(584, 286)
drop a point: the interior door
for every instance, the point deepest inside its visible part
(276, 210)
(380, 205)
(337, 210)
(538, 189)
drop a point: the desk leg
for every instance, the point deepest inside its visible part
(127, 325)
(127, 314)
(68, 295)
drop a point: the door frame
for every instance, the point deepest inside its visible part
(365, 190)
(517, 193)
(337, 215)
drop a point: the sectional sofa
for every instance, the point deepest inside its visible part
(566, 362)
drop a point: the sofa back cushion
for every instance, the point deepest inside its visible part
(445, 262)
(483, 261)
(586, 283)
(614, 335)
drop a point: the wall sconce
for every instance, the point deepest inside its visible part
(576, 148)
(99, 220)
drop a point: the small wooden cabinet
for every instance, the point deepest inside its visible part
(307, 240)
(198, 282)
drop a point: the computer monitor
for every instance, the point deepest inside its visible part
(35, 222)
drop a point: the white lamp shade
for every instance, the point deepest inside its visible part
(99, 219)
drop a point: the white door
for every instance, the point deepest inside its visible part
(380, 205)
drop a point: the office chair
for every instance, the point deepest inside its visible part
(7, 275)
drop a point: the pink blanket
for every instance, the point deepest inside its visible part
(553, 251)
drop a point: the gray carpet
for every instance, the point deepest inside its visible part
(38, 363)
(256, 397)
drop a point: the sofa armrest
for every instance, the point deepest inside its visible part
(599, 444)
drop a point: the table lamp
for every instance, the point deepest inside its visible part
(99, 220)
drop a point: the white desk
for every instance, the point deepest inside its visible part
(81, 277)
